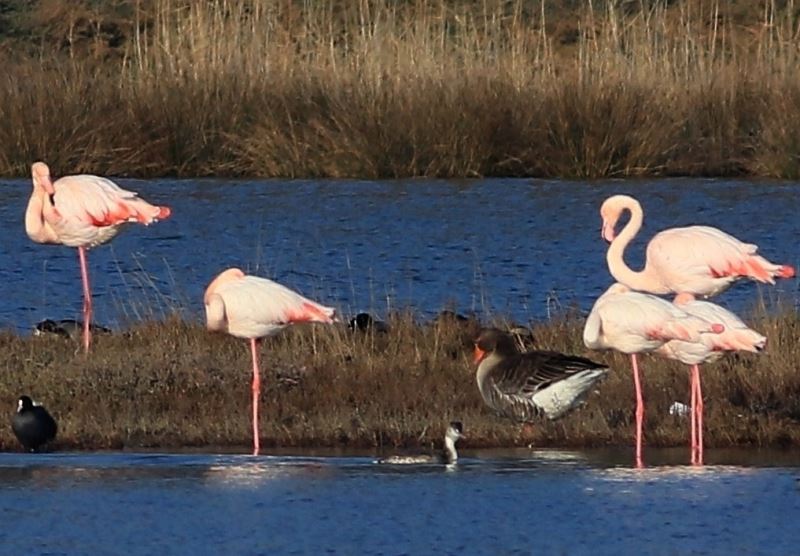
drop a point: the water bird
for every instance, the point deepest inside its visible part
(252, 308)
(82, 211)
(633, 322)
(700, 260)
(449, 316)
(447, 456)
(364, 322)
(525, 386)
(32, 424)
(67, 328)
(737, 336)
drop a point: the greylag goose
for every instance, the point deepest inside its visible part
(525, 386)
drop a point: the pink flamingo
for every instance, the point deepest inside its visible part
(82, 211)
(632, 323)
(700, 260)
(252, 308)
(737, 336)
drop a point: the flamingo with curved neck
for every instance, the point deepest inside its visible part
(83, 211)
(700, 260)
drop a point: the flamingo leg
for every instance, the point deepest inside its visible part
(639, 410)
(256, 393)
(693, 391)
(699, 410)
(87, 300)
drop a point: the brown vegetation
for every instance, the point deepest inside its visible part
(172, 384)
(421, 88)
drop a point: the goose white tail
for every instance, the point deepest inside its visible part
(565, 395)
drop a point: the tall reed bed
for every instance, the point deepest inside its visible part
(172, 384)
(378, 88)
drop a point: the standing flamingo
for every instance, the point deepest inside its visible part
(82, 211)
(252, 308)
(633, 322)
(700, 260)
(737, 336)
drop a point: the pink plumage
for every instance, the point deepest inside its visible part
(700, 260)
(251, 307)
(632, 323)
(82, 211)
(737, 336)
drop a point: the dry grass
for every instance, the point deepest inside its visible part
(378, 88)
(172, 384)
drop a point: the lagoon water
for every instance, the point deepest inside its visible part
(521, 502)
(522, 248)
(518, 248)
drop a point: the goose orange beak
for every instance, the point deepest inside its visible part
(479, 354)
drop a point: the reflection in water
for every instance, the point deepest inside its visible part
(256, 473)
(676, 473)
(556, 502)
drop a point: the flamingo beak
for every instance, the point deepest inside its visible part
(607, 232)
(479, 354)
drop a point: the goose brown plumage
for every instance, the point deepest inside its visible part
(526, 386)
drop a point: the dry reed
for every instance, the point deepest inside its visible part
(424, 88)
(172, 384)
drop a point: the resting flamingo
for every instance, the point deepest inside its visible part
(252, 308)
(737, 336)
(700, 260)
(632, 323)
(82, 211)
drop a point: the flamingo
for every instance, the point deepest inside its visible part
(632, 323)
(700, 260)
(252, 308)
(82, 211)
(737, 336)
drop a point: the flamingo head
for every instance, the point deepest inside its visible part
(683, 298)
(41, 178)
(610, 212)
(223, 277)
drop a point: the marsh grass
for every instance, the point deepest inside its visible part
(172, 384)
(424, 88)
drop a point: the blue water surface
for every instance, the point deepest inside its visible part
(517, 248)
(543, 502)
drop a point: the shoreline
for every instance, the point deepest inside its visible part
(171, 384)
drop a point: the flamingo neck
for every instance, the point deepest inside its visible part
(640, 280)
(36, 225)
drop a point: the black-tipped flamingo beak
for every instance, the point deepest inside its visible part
(607, 232)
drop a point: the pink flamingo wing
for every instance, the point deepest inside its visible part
(100, 202)
(257, 307)
(736, 336)
(698, 250)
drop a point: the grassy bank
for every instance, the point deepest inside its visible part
(172, 384)
(387, 89)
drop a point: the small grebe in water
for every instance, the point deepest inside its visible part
(447, 456)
